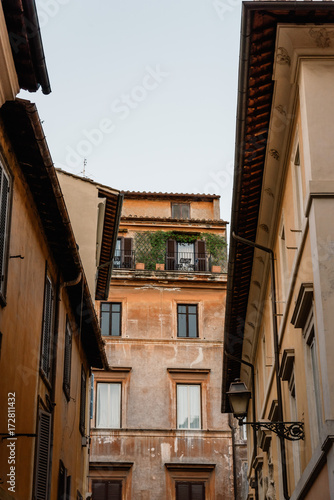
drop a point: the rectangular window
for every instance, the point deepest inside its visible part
(111, 316)
(48, 314)
(64, 483)
(185, 257)
(181, 210)
(107, 490)
(82, 418)
(187, 320)
(67, 360)
(188, 406)
(42, 471)
(4, 227)
(190, 491)
(108, 405)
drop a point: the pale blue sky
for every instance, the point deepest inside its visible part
(158, 79)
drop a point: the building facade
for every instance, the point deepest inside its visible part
(156, 428)
(279, 310)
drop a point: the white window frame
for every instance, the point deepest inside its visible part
(188, 405)
(115, 422)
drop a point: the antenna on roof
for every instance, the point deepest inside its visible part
(84, 168)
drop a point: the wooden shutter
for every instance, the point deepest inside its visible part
(67, 360)
(43, 456)
(114, 491)
(127, 245)
(200, 257)
(190, 491)
(47, 328)
(4, 197)
(82, 422)
(171, 255)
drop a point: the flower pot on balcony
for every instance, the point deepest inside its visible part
(216, 269)
(160, 267)
(140, 265)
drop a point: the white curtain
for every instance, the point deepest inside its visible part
(108, 409)
(188, 406)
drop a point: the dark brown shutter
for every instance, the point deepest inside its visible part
(43, 456)
(127, 242)
(67, 360)
(47, 328)
(82, 422)
(171, 255)
(200, 257)
(4, 196)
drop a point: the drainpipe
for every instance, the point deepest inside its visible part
(253, 414)
(276, 349)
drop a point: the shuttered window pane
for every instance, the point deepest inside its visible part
(43, 456)
(99, 491)
(197, 492)
(190, 491)
(107, 490)
(47, 328)
(108, 411)
(114, 491)
(4, 185)
(67, 359)
(182, 491)
(82, 421)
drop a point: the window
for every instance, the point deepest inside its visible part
(67, 360)
(284, 263)
(313, 382)
(181, 210)
(298, 189)
(48, 313)
(42, 470)
(123, 257)
(187, 320)
(185, 257)
(4, 228)
(107, 490)
(188, 406)
(82, 417)
(294, 418)
(64, 483)
(190, 491)
(108, 405)
(111, 313)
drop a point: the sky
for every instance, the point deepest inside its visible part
(144, 90)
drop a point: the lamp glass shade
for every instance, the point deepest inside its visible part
(239, 397)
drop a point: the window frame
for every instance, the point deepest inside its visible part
(191, 472)
(199, 402)
(4, 171)
(110, 317)
(189, 376)
(119, 403)
(187, 336)
(182, 207)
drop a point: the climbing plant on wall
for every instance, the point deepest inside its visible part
(150, 246)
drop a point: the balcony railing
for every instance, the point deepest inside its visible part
(172, 261)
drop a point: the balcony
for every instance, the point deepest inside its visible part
(186, 262)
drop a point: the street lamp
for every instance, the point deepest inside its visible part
(239, 397)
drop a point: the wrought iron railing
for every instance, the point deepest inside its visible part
(174, 261)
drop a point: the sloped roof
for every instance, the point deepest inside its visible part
(258, 37)
(28, 141)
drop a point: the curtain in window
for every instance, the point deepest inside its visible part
(194, 406)
(108, 413)
(182, 407)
